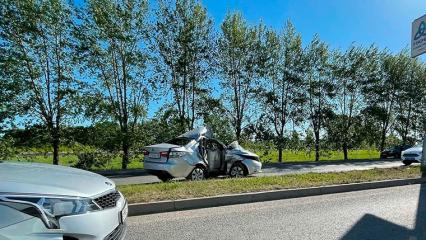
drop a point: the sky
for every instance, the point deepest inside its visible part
(387, 23)
(339, 23)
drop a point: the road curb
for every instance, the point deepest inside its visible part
(136, 209)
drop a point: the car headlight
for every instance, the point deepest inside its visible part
(57, 207)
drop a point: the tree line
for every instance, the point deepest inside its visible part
(101, 63)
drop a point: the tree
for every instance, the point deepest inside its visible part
(184, 42)
(381, 89)
(410, 96)
(283, 93)
(112, 48)
(348, 76)
(238, 62)
(318, 87)
(37, 45)
(11, 89)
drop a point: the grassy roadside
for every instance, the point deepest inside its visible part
(213, 187)
(304, 156)
(269, 156)
(71, 159)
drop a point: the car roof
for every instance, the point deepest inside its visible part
(197, 133)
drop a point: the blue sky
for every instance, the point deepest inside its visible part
(386, 23)
(339, 23)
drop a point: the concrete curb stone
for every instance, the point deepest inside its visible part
(136, 209)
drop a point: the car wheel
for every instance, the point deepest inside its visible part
(197, 174)
(238, 170)
(407, 162)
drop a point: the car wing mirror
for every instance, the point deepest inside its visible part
(28, 208)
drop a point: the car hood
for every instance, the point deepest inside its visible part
(35, 178)
(236, 149)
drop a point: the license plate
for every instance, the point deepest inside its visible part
(154, 155)
(124, 212)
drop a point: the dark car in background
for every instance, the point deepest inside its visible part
(393, 152)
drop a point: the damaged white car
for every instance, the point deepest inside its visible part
(195, 155)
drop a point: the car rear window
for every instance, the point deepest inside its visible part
(180, 141)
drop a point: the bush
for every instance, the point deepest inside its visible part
(7, 150)
(90, 160)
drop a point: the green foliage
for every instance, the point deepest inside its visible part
(246, 81)
(184, 44)
(6, 148)
(36, 39)
(112, 48)
(89, 160)
(239, 57)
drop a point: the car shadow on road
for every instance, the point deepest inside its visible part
(373, 227)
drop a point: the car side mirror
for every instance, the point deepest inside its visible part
(23, 208)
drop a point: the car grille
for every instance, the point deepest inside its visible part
(118, 233)
(411, 155)
(108, 200)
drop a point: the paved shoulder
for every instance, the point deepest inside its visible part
(140, 176)
(330, 166)
(391, 213)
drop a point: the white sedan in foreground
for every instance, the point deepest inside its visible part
(40, 202)
(412, 155)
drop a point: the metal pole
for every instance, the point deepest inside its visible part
(423, 162)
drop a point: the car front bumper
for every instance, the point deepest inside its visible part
(105, 224)
(411, 158)
(252, 166)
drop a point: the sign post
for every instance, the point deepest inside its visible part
(418, 47)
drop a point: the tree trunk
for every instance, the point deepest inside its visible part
(407, 125)
(125, 147)
(238, 130)
(55, 144)
(383, 140)
(125, 158)
(317, 147)
(345, 152)
(280, 153)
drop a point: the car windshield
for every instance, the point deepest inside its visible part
(180, 141)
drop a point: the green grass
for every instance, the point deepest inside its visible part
(265, 156)
(302, 156)
(71, 159)
(214, 187)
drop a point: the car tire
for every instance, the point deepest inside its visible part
(164, 177)
(238, 170)
(197, 174)
(407, 162)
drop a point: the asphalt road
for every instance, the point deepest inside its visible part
(388, 213)
(141, 176)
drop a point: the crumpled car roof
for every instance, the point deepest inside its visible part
(197, 133)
